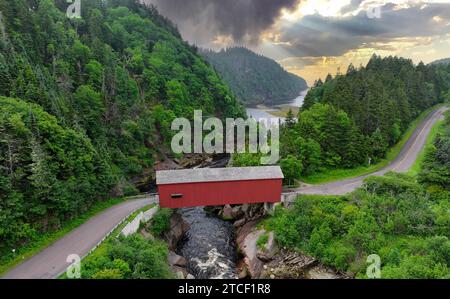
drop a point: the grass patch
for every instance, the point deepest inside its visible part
(262, 240)
(8, 262)
(339, 174)
(283, 111)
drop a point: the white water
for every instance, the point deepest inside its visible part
(209, 245)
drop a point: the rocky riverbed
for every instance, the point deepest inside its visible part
(222, 242)
(268, 260)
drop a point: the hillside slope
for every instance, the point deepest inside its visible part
(442, 61)
(353, 120)
(87, 106)
(382, 99)
(255, 79)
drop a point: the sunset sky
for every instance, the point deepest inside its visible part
(314, 37)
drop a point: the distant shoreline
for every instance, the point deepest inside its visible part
(280, 110)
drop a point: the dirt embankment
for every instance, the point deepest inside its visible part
(261, 257)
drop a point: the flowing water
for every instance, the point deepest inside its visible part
(209, 246)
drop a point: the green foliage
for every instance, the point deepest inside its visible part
(246, 160)
(352, 120)
(95, 99)
(292, 168)
(262, 240)
(129, 258)
(48, 173)
(161, 222)
(435, 171)
(255, 79)
(445, 61)
(324, 137)
(108, 274)
(390, 216)
(42, 240)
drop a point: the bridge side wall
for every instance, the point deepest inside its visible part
(220, 193)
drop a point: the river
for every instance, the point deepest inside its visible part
(264, 112)
(209, 245)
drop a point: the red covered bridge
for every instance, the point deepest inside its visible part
(219, 186)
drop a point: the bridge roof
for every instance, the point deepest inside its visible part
(200, 175)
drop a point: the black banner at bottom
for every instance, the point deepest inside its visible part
(225, 288)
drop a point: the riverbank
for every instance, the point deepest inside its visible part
(278, 111)
(257, 254)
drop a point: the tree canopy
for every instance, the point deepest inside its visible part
(87, 104)
(354, 119)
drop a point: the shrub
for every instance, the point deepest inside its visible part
(132, 257)
(262, 240)
(161, 222)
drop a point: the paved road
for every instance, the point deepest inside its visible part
(52, 261)
(402, 163)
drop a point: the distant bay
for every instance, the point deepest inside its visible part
(277, 112)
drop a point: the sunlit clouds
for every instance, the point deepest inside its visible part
(312, 38)
(322, 37)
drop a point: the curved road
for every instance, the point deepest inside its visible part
(402, 163)
(51, 262)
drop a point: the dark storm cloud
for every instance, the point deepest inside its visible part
(316, 35)
(201, 20)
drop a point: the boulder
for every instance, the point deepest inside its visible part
(180, 272)
(246, 241)
(243, 273)
(237, 212)
(242, 269)
(179, 275)
(227, 213)
(176, 260)
(239, 222)
(178, 228)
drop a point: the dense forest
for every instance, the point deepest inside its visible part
(255, 79)
(86, 106)
(354, 118)
(403, 220)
